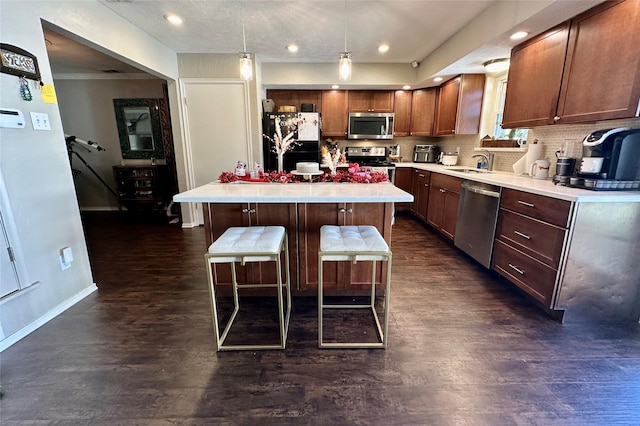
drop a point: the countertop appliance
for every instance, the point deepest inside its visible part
(425, 154)
(371, 156)
(477, 220)
(307, 128)
(619, 151)
(370, 125)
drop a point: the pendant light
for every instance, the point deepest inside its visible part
(344, 67)
(246, 64)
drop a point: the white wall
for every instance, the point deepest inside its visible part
(87, 112)
(35, 164)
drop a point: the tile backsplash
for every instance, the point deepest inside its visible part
(551, 137)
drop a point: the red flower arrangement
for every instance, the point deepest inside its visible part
(355, 174)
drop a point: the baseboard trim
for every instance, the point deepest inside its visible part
(100, 209)
(24, 332)
(189, 225)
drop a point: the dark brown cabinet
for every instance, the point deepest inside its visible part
(459, 105)
(142, 187)
(529, 242)
(403, 180)
(423, 110)
(420, 190)
(583, 70)
(370, 100)
(442, 211)
(334, 113)
(296, 98)
(339, 277)
(220, 216)
(402, 112)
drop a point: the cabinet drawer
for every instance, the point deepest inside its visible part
(535, 278)
(539, 207)
(446, 182)
(538, 239)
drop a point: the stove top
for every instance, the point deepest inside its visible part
(368, 156)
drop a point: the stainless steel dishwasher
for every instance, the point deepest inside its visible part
(477, 219)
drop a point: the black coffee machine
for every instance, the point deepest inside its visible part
(620, 152)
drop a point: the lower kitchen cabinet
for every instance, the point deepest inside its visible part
(403, 180)
(220, 216)
(442, 210)
(529, 243)
(342, 278)
(420, 191)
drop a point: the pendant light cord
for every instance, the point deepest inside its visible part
(346, 15)
(244, 40)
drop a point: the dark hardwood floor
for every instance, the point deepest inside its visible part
(464, 349)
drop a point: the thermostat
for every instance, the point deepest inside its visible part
(11, 118)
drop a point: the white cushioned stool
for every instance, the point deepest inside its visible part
(354, 243)
(251, 244)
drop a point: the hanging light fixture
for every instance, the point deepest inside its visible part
(246, 64)
(344, 67)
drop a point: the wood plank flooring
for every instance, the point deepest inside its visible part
(464, 349)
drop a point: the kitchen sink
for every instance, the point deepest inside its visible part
(468, 170)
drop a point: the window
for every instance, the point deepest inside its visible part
(498, 131)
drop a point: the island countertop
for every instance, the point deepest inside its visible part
(316, 192)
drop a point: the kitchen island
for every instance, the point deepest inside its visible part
(302, 208)
(575, 252)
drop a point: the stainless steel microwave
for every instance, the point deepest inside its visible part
(370, 125)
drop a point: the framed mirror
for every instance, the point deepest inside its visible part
(139, 128)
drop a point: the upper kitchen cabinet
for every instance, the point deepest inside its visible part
(370, 101)
(295, 98)
(601, 78)
(334, 113)
(459, 105)
(402, 113)
(423, 110)
(583, 70)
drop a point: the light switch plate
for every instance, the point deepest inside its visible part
(40, 121)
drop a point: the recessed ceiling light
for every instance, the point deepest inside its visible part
(292, 48)
(519, 35)
(437, 79)
(383, 48)
(335, 86)
(406, 87)
(173, 18)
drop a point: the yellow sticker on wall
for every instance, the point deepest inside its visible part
(48, 94)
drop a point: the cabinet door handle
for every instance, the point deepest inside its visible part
(524, 203)
(442, 190)
(522, 235)
(250, 211)
(426, 185)
(421, 175)
(349, 210)
(518, 270)
(245, 210)
(556, 118)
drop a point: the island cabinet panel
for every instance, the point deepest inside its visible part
(459, 105)
(370, 100)
(334, 113)
(403, 180)
(420, 190)
(402, 113)
(442, 210)
(530, 241)
(423, 111)
(219, 217)
(340, 278)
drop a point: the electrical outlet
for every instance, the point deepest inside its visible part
(66, 257)
(40, 121)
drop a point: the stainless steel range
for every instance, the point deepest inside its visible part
(371, 156)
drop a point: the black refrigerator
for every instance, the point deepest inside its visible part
(308, 129)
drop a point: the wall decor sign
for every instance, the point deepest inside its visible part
(19, 62)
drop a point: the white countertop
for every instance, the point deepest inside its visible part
(316, 192)
(528, 184)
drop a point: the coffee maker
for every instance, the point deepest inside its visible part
(610, 161)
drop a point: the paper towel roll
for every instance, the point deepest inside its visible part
(533, 153)
(519, 167)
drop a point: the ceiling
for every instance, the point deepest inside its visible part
(413, 29)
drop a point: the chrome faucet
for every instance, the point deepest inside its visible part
(489, 157)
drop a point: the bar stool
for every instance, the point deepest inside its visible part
(250, 244)
(354, 243)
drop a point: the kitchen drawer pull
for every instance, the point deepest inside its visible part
(518, 270)
(345, 210)
(522, 235)
(526, 204)
(421, 175)
(250, 211)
